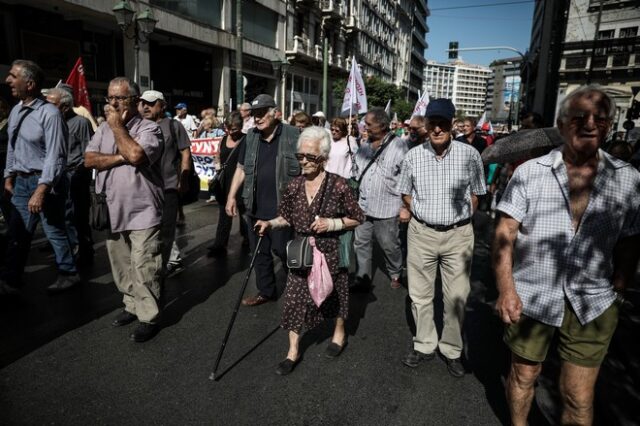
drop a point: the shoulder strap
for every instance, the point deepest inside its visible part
(224, 140)
(14, 137)
(375, 157)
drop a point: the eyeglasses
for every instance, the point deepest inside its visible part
(335, 129)
(259, 113)
(444, 125)
(415, 129)
(580, 118)
(110, 99)
(309, 157)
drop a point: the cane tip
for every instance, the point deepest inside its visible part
(212, 376)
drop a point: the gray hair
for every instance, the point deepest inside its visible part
(134, 89)
(234, 119)
(30, 71)
(380, 116)
(319, 135)
(587, 91)
(66, 99)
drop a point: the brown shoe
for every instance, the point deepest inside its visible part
(256, 300)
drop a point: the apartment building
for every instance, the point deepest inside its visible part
(504, 91)
(465, 84)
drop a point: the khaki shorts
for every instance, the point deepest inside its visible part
(581, 345)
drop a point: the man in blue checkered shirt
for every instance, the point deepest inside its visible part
(440, 183)
(565, 248)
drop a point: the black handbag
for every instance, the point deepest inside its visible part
(98, 208)
(193, 192)
(299, 253)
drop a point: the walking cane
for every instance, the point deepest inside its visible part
(235, 312)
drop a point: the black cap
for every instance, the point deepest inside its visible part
(263, 101)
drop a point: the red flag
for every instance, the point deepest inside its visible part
(77, 81)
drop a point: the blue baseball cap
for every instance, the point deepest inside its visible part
(181, 105)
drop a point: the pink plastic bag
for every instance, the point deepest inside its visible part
(319, 279)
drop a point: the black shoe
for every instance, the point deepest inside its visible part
(216, 251)
(286, 366)
(414, 358)
(455, 367)
(361, 285)
(123, 318)
(334, 350)
(144, 332)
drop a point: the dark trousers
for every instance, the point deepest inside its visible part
(78, 210)
(225, 222)
(274, 241)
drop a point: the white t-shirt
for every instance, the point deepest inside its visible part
(189, 123)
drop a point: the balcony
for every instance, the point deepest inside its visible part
(332, 9)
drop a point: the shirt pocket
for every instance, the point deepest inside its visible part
(291, 164)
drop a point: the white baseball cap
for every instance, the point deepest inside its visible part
(152, 96)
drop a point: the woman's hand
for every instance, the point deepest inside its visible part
(320, 225)
(261, 227)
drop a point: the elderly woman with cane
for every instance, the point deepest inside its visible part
(319, 205)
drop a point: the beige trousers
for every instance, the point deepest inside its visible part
(136, 265)
(452, 251)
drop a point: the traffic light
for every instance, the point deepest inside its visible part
(453, 50)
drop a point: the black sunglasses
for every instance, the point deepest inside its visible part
(309, 157)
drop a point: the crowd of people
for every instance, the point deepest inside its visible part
(565, 241)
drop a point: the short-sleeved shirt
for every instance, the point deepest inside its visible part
(441, 189)
(378, 195)
(189, 123)
(171, 156)
(80, 133)
(266, 201)
(134, 194)
(552, 261)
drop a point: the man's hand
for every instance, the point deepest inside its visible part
(509, 307)
(405, 215)
(8, 187)
(231, 208)
(261, 227)
(36, 202)
(115, 119)
(183, 182)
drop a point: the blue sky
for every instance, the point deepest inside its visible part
(505, 25)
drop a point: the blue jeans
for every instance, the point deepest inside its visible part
(24, 223)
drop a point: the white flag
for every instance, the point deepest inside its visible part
(355, 96)
(421, 105)
(387, 109)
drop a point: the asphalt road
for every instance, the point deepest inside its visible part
(62, 363)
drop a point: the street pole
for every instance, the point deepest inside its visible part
(325, 72)
(595, 41)
(136, 57)
(239, 79)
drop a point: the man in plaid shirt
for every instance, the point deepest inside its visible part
(565, 248)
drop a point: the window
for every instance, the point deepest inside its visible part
(621, 59)
(628, 32)
(576, 62)
(605, 35)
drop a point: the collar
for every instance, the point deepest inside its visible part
(554, 160)
(34, 104)
(275, 134)
(428, 147)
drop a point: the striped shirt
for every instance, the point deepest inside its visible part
(441, 189)
(378, 195)
(552, 261)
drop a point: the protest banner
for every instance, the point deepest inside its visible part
(205, 153)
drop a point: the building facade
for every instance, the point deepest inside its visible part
(585, 41)
(504, 91)
(191, 54)
(465, 84)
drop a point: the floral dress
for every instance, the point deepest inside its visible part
(334, 199)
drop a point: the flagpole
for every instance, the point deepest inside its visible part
(353, 79)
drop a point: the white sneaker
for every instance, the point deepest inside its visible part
(64, 282)
(211, 200)
(174, 268)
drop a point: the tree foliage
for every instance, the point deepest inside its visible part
(378, 94)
